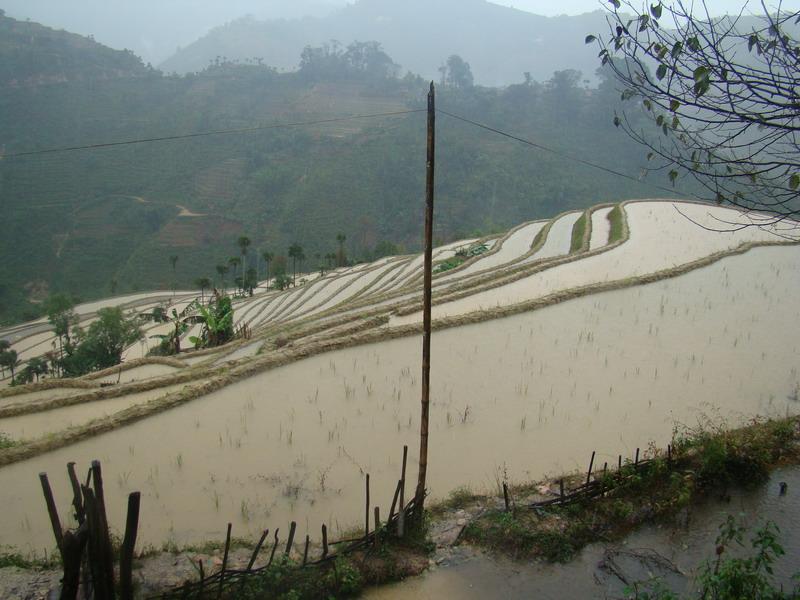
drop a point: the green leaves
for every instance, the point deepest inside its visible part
(661, 71)
(702, 80)
(673, 175)
(674, 105)
(589, 39)
(616, 3)
(794, 181)
(656, 10)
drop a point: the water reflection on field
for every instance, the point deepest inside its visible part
(529, 394)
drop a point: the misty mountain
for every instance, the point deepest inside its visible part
(500, 43)
(153, 29)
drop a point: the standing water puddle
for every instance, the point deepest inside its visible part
(479, 576)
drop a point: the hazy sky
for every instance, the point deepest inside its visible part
(155, 28)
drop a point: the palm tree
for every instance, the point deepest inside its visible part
(221, 270)
(295, 250)
(341, 239)
(267, 256)
(202, 283)
(234, 261)
(244, 243)
(174, 261)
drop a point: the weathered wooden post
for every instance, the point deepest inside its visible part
(366, 512)
(52, 511)
(419, 496)
(128, 545)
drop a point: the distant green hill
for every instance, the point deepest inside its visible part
(91, 222)
(31, 54)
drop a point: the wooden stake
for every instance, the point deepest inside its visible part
(274, 547)
(401, 516)
(394, 499)
(292, 528)
(366, 516)
(377, 518)
(591, 464)
(305, 552)
(128, 545)
(77, 500)
(101, 532)
(505, 495)
(55, 522)
(202, 576)
(72, 552)
(257, 549)
(324, 540)
(419, 496)
(561, 488)
(636, 460)
(224, 560)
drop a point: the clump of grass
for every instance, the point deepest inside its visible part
(461, 497)
(6, 441)
(578, 232)
(615, 219)
(702, 460)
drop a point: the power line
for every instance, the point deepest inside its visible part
(209, 133)
(558, 153)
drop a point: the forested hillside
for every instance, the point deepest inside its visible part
(31, 54)
(107, 220)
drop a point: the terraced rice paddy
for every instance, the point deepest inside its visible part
(609, 370)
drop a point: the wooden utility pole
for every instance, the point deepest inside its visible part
(419, 496)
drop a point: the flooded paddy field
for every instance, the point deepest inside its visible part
(46, 422)
(524, 396)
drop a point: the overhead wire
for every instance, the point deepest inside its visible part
(265, 127)
(209, 133)
(553, 151)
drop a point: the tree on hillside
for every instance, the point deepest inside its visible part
(721, 95)
(295, 252)
(221, 271)
(243, 243)
(173, 261)
(340, 258)
(234, 262)
(203, 283)
(267, 256)
(457, 73)
(4, 346)
(101, 345)
(60, 314)
(8, 358)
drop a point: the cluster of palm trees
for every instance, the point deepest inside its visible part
(246, 277)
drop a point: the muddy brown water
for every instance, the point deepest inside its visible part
(42, 423)
(526, 395)
(687, 545)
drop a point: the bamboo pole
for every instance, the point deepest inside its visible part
(419, 496)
